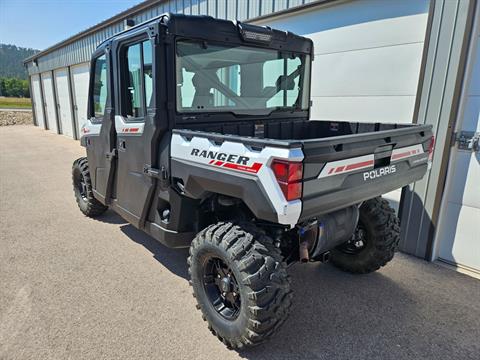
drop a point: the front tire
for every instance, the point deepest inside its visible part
(240, 283)
(374, 242)
(82, 187)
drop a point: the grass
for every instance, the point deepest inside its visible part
(15, 103)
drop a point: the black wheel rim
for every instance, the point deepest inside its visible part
(81, 186)
(221, 288)
(357, 243)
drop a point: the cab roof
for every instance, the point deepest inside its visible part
(211, 29)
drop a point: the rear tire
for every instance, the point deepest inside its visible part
(82, 187)
(248, 296)
(375, 240)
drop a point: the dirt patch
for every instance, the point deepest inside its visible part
(16, 118)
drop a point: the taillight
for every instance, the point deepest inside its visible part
(289, 177)
(431, 147)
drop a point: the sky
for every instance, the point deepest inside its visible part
(39, 24)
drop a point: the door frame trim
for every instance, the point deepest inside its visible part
(457, 123)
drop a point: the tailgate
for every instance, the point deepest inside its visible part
(344, 170)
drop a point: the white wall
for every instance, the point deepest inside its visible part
(367, 57)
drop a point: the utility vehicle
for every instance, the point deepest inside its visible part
(199, 134)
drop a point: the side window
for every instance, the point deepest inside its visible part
(100, 87)
(148, 72)
(134, 82)
(139, 89)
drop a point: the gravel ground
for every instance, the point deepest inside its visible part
(73, 287)
(15, 117)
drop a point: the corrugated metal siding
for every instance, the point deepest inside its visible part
(80, 50)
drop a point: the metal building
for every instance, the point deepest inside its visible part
(375, 60)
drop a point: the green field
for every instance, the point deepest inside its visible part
(14, 103)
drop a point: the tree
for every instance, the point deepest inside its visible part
(12, 87)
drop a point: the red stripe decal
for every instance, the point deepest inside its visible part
(252, 169)
(359, 165)
(331, 170)
(339, 169)
(401, 155)
(211, 161)
(219, 163)
(130, 130)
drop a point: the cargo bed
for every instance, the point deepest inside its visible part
(344, 162)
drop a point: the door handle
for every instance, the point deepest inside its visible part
(111, 155)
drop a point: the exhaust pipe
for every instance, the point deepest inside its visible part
(307, 236)
(303, 251)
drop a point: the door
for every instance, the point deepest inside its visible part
(64, 105)
(50, 105)
(101, 157)
(80, 78)
(136, 130)
(37, 100)
(458, 239)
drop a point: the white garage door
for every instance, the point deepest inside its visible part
(37, 100)
(63, 101)
(367, 57)
(80, 77)
(50, 104)
(458, 236)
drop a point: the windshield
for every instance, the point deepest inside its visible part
(240, 79)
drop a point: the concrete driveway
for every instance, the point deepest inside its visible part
(73, 287)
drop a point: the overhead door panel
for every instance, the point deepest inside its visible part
(63, 100)
(458, 239)
(37, 101)
(50, 104)
(80, 78)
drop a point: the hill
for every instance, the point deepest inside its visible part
(11, 61)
